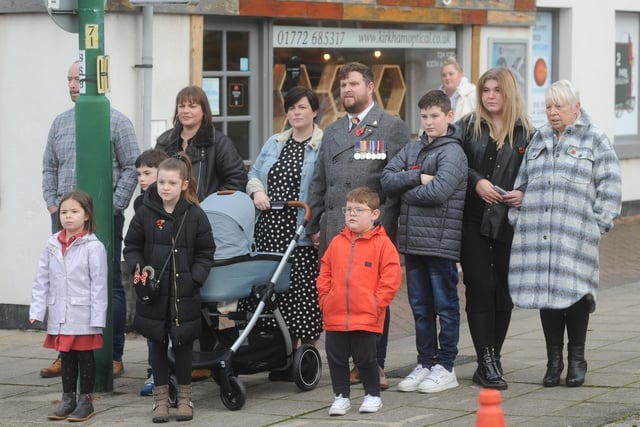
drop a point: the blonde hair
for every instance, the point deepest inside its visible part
(512, 109)
(451, 61)
(562, 92)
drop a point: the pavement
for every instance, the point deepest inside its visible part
(610, 396)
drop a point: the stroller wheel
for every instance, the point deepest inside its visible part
(235, 397)
(307, 367)
(173, 391)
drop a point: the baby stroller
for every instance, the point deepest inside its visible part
(240, 272)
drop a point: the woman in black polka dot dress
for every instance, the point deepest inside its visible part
(283, 171)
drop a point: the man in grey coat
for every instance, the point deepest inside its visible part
(59, 177)
(354, 151)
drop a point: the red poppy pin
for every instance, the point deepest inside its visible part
(572, 151)
(414, 167)
(520, 150)
(359, 131)
(160, 223)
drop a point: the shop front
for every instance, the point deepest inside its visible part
(247, 77)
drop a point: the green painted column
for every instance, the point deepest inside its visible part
(93, 158)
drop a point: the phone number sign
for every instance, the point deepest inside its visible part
(311, 37)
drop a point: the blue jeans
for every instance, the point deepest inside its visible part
(432, 289)
(119, 297)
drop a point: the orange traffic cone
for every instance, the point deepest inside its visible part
(490, 413)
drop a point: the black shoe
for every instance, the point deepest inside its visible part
(67, 405)
(554, 366)
(84, 410)
(577, 368)
(488, 375)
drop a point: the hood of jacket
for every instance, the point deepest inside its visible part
(350, 235)
(453, 136)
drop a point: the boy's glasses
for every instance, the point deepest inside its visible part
(354, 211)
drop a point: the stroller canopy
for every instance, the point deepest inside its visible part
(232, 219)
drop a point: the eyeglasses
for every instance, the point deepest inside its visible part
(354, 211)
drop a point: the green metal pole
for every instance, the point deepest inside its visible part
(93, 159)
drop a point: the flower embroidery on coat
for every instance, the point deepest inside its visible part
(160, 223)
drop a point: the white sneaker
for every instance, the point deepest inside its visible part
(370, 404)
(413, 380)
(438, 380)
(341, 405)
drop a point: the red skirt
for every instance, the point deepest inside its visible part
(73, 342)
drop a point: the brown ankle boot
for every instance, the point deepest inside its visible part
(185, 407)
(54, 370)
(160, 403)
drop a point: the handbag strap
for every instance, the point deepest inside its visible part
(173, 246)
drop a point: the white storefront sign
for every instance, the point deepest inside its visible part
(325, 37)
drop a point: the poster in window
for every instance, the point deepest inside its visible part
(626, 74)
(211, 86)
(236, 92)
(511, 53)
(541, 51)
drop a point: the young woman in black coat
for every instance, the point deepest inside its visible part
(170, 212)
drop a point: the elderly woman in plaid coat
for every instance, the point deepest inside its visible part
(570, 181)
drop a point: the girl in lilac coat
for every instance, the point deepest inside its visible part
(71, 287)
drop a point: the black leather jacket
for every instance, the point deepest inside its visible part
(216, 162)
(493, 218)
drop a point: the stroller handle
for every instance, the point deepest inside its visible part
(295, 204)
(225, 192)
(303, 205)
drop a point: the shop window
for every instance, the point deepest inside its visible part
(228, 79)
(239, 134)
(626, 74)
(321, 74)
(212, 55)
(237, 50)
(542, 64)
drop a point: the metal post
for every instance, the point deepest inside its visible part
(147, 65)
(94, 157)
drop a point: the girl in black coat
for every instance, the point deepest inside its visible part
(494, 139)
(170, 211)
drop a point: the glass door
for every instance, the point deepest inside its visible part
(230, 78)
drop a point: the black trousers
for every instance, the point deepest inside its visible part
(360, 345)
(575, 319)
(160, 362)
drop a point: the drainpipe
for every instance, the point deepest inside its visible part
(147, 74)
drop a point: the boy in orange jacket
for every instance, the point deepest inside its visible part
(360, 274)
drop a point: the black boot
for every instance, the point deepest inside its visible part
(67, 405)
(498, 360)
(84, 410)
(577, 366)
(554, 366)
(488, 375)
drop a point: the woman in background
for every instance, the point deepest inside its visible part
(460, 91)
